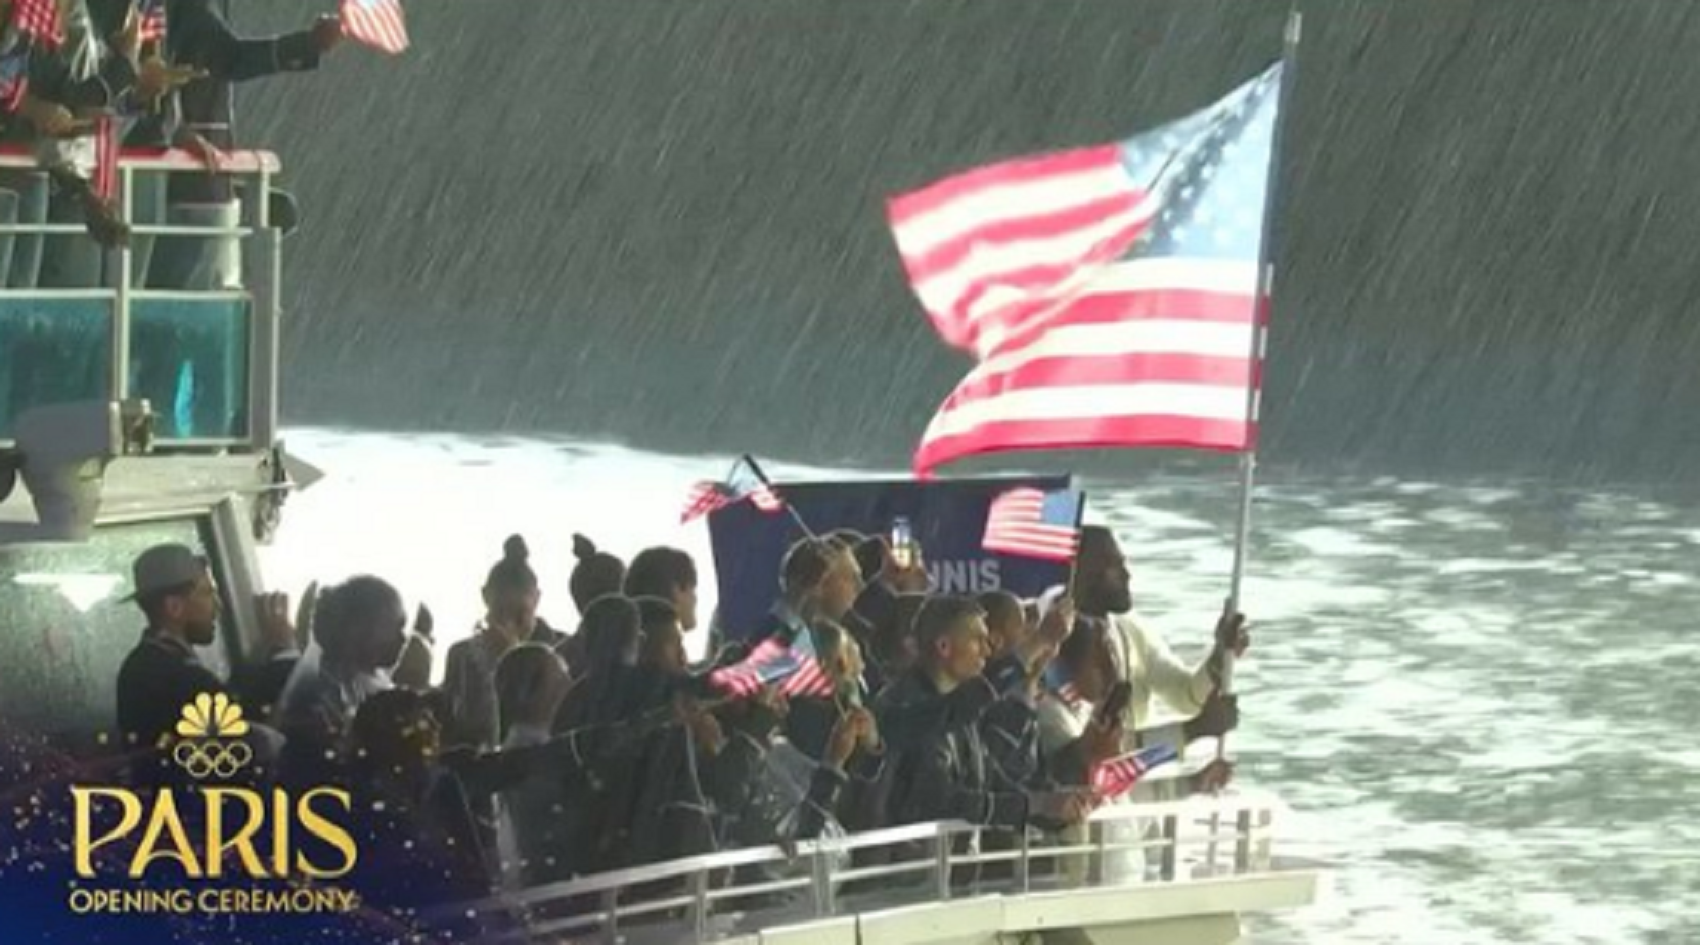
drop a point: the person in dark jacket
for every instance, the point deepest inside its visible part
(944, 772)
(175, 591)
(199, 43)
(1010, 727)
(612, 636)
(603, 695)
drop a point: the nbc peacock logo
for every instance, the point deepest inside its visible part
(207, 731)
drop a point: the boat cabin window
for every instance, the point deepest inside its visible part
(188, 357)
(64, 631)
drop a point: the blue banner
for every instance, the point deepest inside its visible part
(948, 517)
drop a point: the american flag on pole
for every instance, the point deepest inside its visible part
(743, 482)
(795, 667)
(375, 23)
(1034, 524)
(1108, 293)
(150, 27)
(1118, 775)
(39, 20)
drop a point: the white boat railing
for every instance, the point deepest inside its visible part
(252, 373)
(739, 892)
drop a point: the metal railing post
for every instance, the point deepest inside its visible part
(1171, 847)
(1242, 841)
(1265, 837)
(121, 297)
(821, 882)
(699, 907)
(262, 266)
(1097, 833)
(1023, 863)
(941, 862)
(610, 908)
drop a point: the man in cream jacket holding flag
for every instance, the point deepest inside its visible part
(1144, 660)
(1133, 654)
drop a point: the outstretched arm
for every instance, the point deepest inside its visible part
(199, 36)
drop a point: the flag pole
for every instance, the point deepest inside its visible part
(1074, 562)
(755, 467)
(1265, 291)
(1265, 288)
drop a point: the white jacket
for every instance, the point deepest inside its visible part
(1144, 660)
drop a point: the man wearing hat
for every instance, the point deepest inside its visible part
(175, 590)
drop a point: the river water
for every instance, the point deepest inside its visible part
(1478, 700)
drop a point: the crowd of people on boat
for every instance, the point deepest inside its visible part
(536, 753)
(79, 77)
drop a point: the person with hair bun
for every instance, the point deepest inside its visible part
(597, 573)
(511, 594)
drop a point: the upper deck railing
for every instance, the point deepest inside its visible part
(184, 315)
(1174, 854)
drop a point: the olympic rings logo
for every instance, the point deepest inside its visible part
(204, 759)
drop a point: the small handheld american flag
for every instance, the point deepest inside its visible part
(14, 73)
(1117, 776)
(106, 155)
(795, 667)
(150, 24)
(375, 23)
(743, 482)
(1034, 524)
(39, 20)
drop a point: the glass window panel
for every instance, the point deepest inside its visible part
(189, 358)
(52, 351)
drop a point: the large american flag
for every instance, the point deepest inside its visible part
(1034, 523)
(1108, 293)
(375, 23)
(743, 482)
(39, 20)
(1118, 775)
(794, 666)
